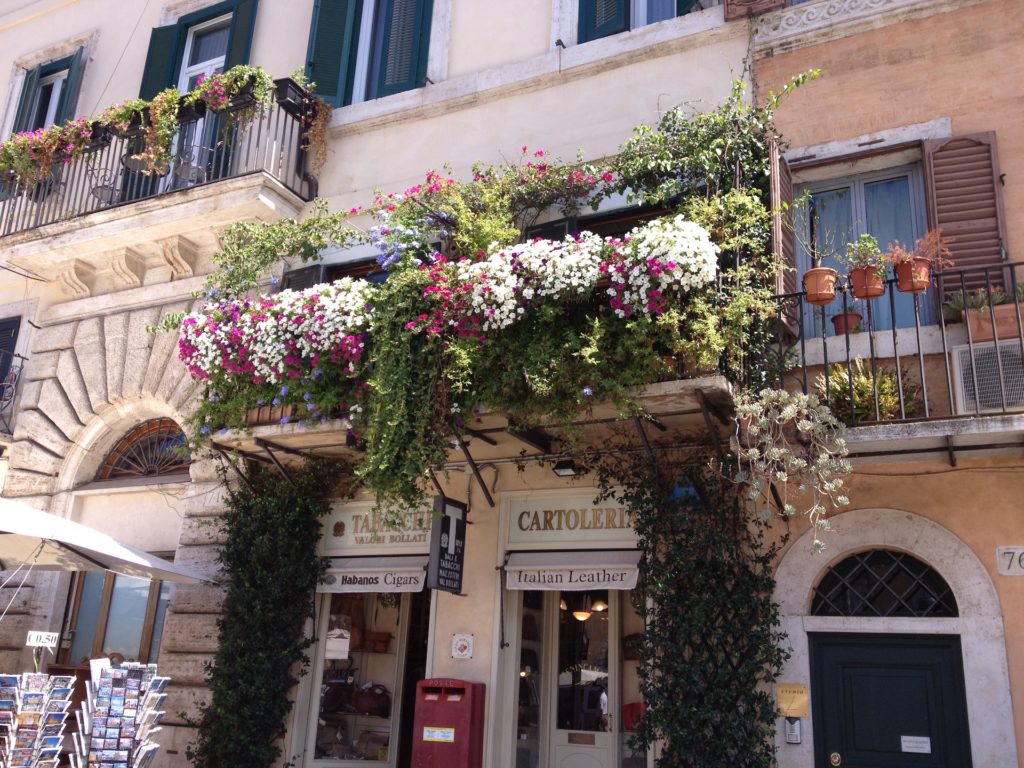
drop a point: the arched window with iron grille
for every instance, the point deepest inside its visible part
(883, 583)
(152, 449)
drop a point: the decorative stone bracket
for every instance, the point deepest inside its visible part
(76, 279)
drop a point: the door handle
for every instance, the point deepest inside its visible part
(835, 759)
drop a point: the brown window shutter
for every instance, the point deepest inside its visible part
(965, 201)
(740, 9)
(783, 234)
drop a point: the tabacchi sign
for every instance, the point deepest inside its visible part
(567, 520)
(355, 528)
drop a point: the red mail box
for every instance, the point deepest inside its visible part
(448, 729)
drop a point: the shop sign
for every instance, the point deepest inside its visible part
(447, 546)
(560, 521)
(572, 571)
(354, 529)
(375, 580)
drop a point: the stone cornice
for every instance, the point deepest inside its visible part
(823, 20)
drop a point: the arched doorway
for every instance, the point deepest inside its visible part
(903, 589)
(881, 698)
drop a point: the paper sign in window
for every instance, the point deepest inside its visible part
(920, 744)
(439, 734)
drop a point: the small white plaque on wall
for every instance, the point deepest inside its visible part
(919, 744)
(462, 645)
(1010, 561)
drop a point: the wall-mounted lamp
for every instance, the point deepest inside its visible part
(567, 468)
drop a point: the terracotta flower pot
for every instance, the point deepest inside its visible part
(846, 322)
(913, 276)
(867, 282)
(979, 321)
(820, 285)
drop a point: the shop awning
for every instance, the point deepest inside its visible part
(573, 571)
(375, 574)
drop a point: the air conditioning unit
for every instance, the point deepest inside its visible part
(976, 377)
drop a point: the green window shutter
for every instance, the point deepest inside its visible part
(8, 339)
(243, 22)
(28, 93)
(162, 61)
(600, 18)
(72, 86)
(330, 62)
(404, 37)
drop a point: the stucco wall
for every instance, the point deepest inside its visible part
(978, 501)
(963, 64)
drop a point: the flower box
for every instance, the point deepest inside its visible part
(979, 322)
(291, 96)
(190, 112)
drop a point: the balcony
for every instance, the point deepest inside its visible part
(949, 376)
(209, 147)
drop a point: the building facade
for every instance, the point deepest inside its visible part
(93, 401)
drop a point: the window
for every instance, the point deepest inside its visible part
(600, 18)
(888, 204)
(883, 583)
(49, 94)
(365, 49)
(207, 41)
(152, 449)
(115, 614)
(206, 50)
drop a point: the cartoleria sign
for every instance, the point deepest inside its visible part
(546, 520)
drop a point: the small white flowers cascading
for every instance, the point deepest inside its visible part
(274, 338)
(661, 259)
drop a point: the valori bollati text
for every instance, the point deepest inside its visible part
(585, 518)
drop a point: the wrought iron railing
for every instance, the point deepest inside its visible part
(11, 366)
(956, 350)
(209, 147)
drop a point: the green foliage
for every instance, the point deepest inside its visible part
(712, 647)
(408, 416)
(863, 252)
(855, 402)
(271, 570)
(703, 153)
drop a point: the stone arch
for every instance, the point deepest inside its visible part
(980, 623)
(87, 379)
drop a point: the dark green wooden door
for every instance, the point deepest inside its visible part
(889, 701)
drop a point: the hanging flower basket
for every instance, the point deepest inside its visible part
(190, 111)
(867, 282)
(846, 323)
(914, 275)
(820, 285)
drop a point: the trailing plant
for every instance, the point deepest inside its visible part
(270, 572)
(122, 116)
(31, 156)
(712, 646)
(858, 394)
(221, 90)
(160, 132)
(791, 442)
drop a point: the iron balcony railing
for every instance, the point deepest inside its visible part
(11, 367)
(956, 350)
(209, 147)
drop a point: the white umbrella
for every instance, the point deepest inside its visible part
(46, 542)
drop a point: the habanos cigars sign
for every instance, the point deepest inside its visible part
(354, 529)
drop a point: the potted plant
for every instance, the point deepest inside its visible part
(913, 268)
(856, 394)
(846, 322)
(125, 119)
(867, 272)
(990, 314)
(820, 284)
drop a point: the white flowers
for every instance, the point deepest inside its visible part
(791, 439)
(272, 338)
(657, 262)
